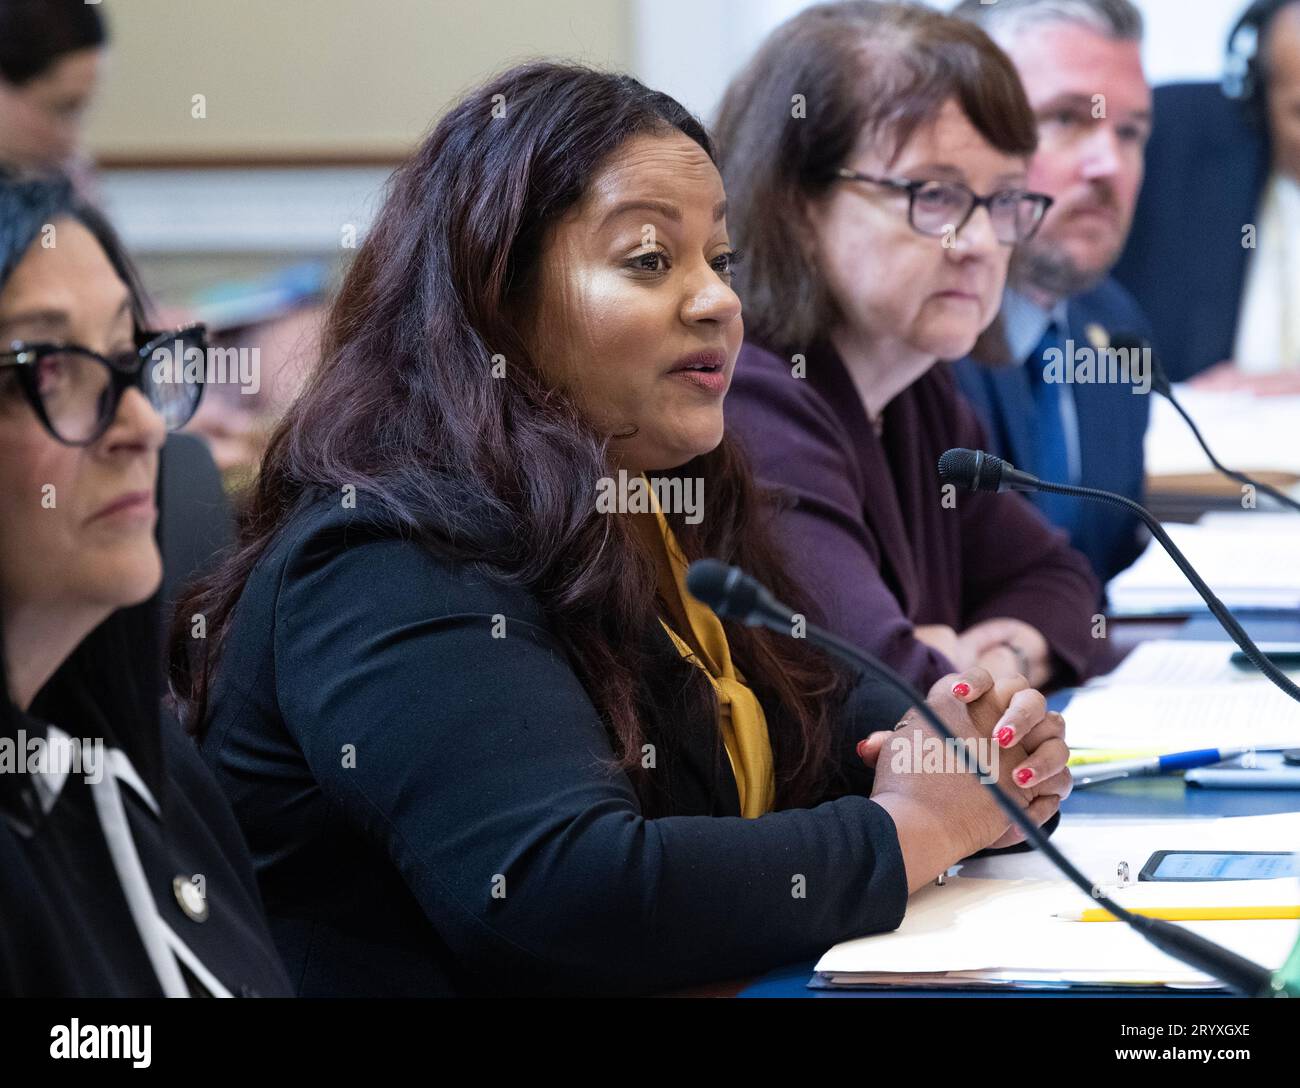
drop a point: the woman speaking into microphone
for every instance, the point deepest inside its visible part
(477, 734)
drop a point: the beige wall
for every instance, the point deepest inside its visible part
(320, 77)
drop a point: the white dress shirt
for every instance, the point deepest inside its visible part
(1268, 328)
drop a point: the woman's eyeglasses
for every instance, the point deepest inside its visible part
(939, 208)
(75, 392)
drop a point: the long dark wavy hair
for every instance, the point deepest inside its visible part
(500, 472)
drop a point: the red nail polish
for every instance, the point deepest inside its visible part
(862, 748)
(1023, 776)
(961, 689)
(1005, 736)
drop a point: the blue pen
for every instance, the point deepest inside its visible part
(1152, 765)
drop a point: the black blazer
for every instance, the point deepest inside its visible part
(65, 927)
(431, 810)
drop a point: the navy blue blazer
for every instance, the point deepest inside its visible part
(1112, 428)
(1207, 166)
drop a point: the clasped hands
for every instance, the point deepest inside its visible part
(1031, 763)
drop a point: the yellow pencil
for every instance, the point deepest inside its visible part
(1083, 756)
(1190, 914)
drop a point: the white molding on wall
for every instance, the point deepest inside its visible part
(253, 210)
(689, 48)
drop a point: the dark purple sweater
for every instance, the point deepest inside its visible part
(869, 536)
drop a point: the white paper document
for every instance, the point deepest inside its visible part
(1248, 433)
(1179, 719)
(1173, 663)
(1003, 931)
(1246, 563)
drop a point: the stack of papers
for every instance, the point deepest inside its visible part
(1171, 696)
(1248, 433)
(1240, 716)
(996, 933)
(1178, 663)
(1250, 560)
(1252, 521)
(994, 924)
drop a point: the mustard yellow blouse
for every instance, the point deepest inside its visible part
(740, 715)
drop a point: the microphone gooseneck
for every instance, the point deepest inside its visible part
(733, 594)
(1161, 384)
(954, 468)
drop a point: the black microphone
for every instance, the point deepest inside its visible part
(976, 470)
(1161, 384)
(734, 595)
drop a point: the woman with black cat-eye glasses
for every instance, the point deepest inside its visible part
(122, 872)
(75, 391)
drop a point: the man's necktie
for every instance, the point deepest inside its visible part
(1052, 457)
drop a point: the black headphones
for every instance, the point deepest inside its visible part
(1242, 76)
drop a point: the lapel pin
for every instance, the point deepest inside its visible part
(1098, 337)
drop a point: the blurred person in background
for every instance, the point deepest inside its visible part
(51, 58)
(1214, 257)
(1081, 64)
